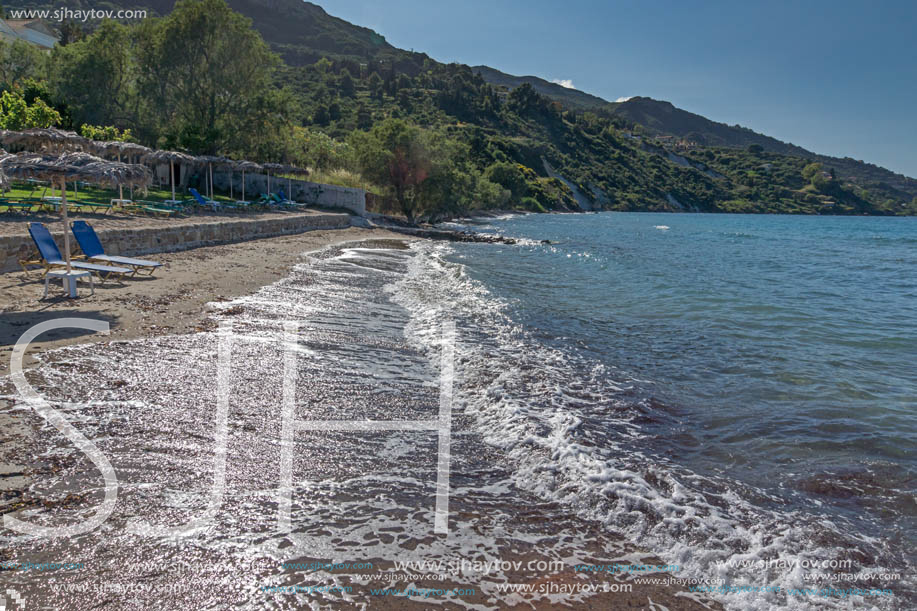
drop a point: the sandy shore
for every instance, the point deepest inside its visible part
(175, 301)
(172, 301)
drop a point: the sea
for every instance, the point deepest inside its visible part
(727, 403)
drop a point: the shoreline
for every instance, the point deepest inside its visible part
(172, 301)
(175, 302)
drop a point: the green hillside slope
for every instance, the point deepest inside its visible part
(658, 117)
(533, 127)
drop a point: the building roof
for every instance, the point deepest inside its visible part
(29, 30)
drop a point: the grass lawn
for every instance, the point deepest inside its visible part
(20, 191)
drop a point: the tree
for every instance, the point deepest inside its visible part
(524, 100)
(323, 65)
(70, 32)
(510, 176)
(105, 133)
(392, 154)
(364, 117)
(19, 60)
(39, 114)
(376, 86)
(96, 76)
(490, 195)
(811, 170)
(318, 150)
(451, 181)
(755, 149)
(16, 114)
(346, 84)
(321, 116)
(205, 74)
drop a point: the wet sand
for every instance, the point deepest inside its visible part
(166, 449)
(172, 301)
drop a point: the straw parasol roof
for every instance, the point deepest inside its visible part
(73, 166)
(283, 168)
(247, 166)
(167, 157)
(101, 171)
(43, 137)
(117, 148)
(216, 160)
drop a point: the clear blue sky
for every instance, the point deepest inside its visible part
(838, 78)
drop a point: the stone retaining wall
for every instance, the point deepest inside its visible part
(182, 235)
(303, 191)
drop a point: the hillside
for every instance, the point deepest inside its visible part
(538, 128)
(658, 117)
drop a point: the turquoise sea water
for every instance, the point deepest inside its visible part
(776, 353)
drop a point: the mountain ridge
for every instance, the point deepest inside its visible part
(303, 32)
(548, 121)
(660, 117)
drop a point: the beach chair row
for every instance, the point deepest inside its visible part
(93, 258)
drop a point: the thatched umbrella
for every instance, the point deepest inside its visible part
(214, 160)
(39, 138)
(44, 139)
(171, 157)
(72, 166)
(246, 166)
(283, 168)
(272, 168)
(117, 149)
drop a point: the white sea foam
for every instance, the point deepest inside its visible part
(571, 439)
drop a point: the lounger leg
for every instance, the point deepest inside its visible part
(47, 280)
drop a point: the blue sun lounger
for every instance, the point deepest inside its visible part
(51, 256)
(210, 203)
(91, 246)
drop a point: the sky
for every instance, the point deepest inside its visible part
(838, 78)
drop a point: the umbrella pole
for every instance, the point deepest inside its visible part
(230, 183)
(211, 180)
(63, 206)
(120, 186)
(243, 185)
(172, 172)
(289, 189)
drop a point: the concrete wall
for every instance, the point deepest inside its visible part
(177, 236)
(301, 191)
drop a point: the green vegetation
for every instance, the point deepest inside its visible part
(430, 139)
(16, 113)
